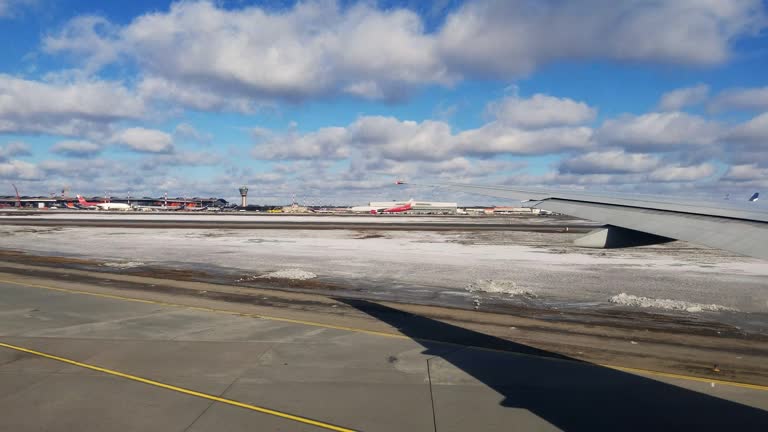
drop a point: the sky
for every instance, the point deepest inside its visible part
(332, 101)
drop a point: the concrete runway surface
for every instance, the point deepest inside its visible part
(73, 358)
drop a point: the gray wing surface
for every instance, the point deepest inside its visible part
(737, 228)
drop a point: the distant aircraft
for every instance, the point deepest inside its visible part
(102, 206)
(754, 197)
(637, 220)
(379, 210)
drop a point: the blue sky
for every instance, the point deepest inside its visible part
(332, 101)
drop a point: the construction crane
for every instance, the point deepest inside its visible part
(18, 198)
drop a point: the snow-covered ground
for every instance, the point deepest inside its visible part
(542, 267)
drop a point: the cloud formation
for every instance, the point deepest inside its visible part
(505, 38)
(144, 140)
(668, 131)
(748, 99)
(208, 57)
(678, 99)
(541, 111)
(196, 57)
(72, 148)
(610, 162)
(13, 149)
(69, 108)
(16, 169)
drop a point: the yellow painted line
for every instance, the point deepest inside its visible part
(207, 309)
(272, 412)
(377, 333)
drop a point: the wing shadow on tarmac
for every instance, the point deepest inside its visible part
(571, 394)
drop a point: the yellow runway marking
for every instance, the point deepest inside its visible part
(375, 333)
(206, 309)
(272, 412)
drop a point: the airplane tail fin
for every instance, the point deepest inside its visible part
(81, 200)
(755, 196)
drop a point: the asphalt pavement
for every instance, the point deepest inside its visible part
(71, 360)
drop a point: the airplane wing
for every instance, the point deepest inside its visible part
(646, 219)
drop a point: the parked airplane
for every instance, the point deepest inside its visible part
(102, 206)
(646, 219)
(379, 210)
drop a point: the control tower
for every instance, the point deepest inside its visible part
(243, 195)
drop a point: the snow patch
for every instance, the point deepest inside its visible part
(123, 265)
(499, 287)
(293, 274)
(667, 304)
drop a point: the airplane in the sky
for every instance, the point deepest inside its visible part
(638, 220)
(102, 206)
(379, 210)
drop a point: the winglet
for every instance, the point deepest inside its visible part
(754, 197)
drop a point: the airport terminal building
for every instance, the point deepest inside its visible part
(421, 207)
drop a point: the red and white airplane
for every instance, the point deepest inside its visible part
(379, 210)
(102, 206)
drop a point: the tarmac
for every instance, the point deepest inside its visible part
(76, 357)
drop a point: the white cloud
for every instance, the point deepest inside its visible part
(181, 158)
(12, 149)
(76, 148)
(64, 108)
(680, 98)
(325, 143)
(610, 162)
(741, 99)
(199, 54)
(541, 111)
(144, 140)
(388, 138)
(753, 133)
(495, 138)
(746, 173)
(669, 131)
(667, 177)
(8, 8)
(454, 169)
(208, 57)
(511, 37)
(193, 96)
(88, 37)
(186, 131)
(16, 169)
(676, 173)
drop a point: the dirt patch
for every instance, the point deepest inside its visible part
(24, 258)
(170, 273)
(275, 283)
